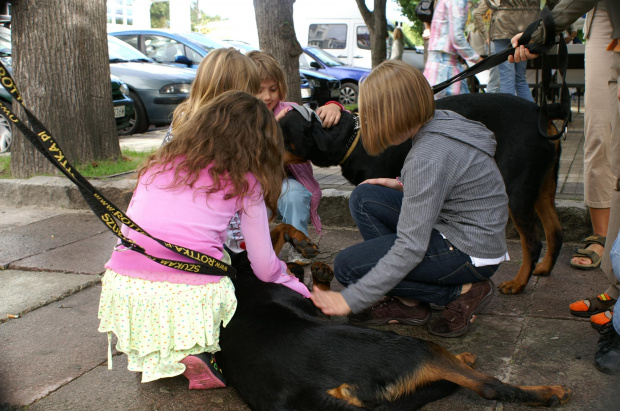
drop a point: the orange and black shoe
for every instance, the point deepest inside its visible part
(590, 306)
(600, 320)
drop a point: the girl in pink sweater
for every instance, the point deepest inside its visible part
(226, 158)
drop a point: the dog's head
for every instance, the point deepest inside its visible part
(304, 133)
(306, 139)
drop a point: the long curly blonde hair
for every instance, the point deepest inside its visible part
(233, 134)
(222, 70)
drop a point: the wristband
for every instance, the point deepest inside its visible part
(335, 102)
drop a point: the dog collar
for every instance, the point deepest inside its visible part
(353, 140)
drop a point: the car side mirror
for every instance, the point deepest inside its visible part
(315, 65)
(182, 59)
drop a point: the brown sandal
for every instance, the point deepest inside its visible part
(592, 255)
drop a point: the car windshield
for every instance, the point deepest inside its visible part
(119, 51)
(325, 57)
(203, 41)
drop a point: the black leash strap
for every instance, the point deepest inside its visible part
(556, 110)
(43, 141)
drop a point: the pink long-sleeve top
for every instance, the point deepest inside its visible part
(305, 175)
(188, 217)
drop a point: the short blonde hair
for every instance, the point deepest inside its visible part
(398, 33)
(270, 69)
(394, 99)
(221, 70)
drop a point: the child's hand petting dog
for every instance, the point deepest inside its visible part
(330, 302)
(329, 114)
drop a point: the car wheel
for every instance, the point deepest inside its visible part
(348, 93)
(139, 122)
(6, 130)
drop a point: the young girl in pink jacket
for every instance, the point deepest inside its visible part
(225, 159)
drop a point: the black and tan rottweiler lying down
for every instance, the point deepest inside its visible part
(281, 353)
(526, 159)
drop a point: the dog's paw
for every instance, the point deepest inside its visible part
(321, 273)
(302, 244)
(511, 287)
(468, 358)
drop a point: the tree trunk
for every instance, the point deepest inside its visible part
(61, 67)
(276, 34)
(377, 26)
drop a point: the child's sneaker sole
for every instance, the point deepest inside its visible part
(200, 375)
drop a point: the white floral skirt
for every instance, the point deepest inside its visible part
(157, 323)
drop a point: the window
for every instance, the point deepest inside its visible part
(162, 49)
(328, 36)
(363, 38)
(120, 12)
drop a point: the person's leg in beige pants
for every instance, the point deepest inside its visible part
(598, 178)
(614, 217)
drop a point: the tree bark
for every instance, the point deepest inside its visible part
(377, 26)
(61, 67)
(276, 35)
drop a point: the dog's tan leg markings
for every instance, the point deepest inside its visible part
(444, 366)
(467, 358)
(517, 284)
(286, 233)
(545, 207)
(346, 393)
(322, 276)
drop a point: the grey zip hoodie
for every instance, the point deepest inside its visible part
(452, 184)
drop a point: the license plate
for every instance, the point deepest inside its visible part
(119, 111)
(335, 93)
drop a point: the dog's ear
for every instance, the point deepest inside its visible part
(320, 135)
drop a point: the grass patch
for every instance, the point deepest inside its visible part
(350, 107)
(130, 161)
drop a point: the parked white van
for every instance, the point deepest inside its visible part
(349, 40)
(338, 27)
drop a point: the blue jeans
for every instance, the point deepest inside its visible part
(512, 76)
(614, 255)
(294, 204)
(437, 279)
(493, 84)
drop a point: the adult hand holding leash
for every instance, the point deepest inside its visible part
(330, 302)
(521, 52)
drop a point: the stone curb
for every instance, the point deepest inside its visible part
(59, 192)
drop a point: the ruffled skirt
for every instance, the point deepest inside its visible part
(157, 324)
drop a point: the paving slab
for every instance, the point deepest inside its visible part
(87, 256)
(51, 346)
(25, 291)
(11, 217)
(47, 234)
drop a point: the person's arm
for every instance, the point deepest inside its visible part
(330, 113)
(478, 16)
(263, 260)
(458, 18)
(565, 13)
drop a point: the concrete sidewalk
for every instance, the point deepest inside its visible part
(53, 358)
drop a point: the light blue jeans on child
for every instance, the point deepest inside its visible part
(614, 255)
(512, 76)
(294, 204)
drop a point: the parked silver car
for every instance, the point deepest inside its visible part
(155, 88)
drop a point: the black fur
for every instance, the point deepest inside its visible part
(280, 353)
